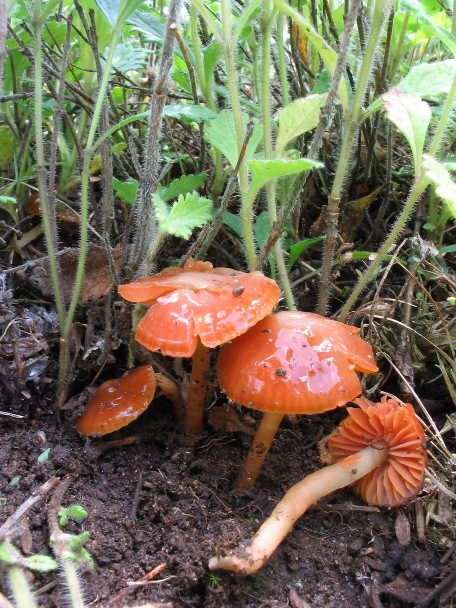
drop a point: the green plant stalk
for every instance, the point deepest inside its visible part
(233, 91)
(49, 222)
(381, 9)
(268, 20)
(421, 183)
(20, 588)
(399, 46)
(281, 55)
(72, 581)
(68, 167)
(210, 22)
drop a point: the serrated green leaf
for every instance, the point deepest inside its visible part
(187, 213)
(297, 118)
(182, 185)
(445, 187)
(264, 171)
(411, 115)
(430, 80)
(125, 190)
(221, 134)
(41, 563)
(188, 112)
(150, 23)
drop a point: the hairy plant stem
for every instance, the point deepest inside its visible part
(381, 9)
(421, 183)
(20, 588)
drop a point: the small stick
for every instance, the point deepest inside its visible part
(147, 577)
(36, 496)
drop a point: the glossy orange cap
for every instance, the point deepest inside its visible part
(388, 425)
(118, 402)
(295, 363)
(216, 304)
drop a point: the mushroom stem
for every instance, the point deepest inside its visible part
(247, 560)
(171, 390)
(259, 449)
(197, 389)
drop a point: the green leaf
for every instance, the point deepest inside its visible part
(261, 228)
(8, 554)
(188, 112)
(233, 221)
(76, 512)
(430, 80)
(297, 118)
(445, 187)
(14, 481)
(41, 563)
(300, 247)
(187, 213)
(221, 134)
(44, 456)
(182, 185)
(126, 190)
(9, 204)
(411, 116)
(416, 8)
(149, 23)
(264, 171)
(211, 55)
(118, 11)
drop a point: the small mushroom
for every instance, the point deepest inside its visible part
(379, 449)
(118, 402)
(291, 363)
(196, 308)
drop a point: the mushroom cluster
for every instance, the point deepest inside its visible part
(379, 448)
(195, 308)
(291, 363)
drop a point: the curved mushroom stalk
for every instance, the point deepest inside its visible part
(378, 448)
(249, 559)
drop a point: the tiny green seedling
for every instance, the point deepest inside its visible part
(76, 512)
(214, 580)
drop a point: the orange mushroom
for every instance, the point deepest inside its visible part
(379, 449)
(291, 363)
(196, 308)
(118, 402)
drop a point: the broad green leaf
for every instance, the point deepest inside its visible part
(188, 112)
(262, 228)
(411, 116)
(149, 23)
(445, 187)
(430, 80)
(264, 171)
(182, 185)
(297, 118)
(298, 248)
(187, 213)
(118, 11)
(211, 54)
(125, 190)
(221, 134)
(9, 204)
(233, 221)
(41, 563)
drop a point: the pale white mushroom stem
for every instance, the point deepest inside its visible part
(248, 559)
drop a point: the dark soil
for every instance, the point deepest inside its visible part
(169, 501)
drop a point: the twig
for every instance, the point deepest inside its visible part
(147, 577)
(36, 496)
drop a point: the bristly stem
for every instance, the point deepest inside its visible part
(381, 9)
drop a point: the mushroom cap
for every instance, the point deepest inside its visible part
(216, 304)
(295, 363)
(388, 425)
(118, 402)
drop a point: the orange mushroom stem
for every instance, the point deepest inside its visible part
(291, 363)
(379, 448)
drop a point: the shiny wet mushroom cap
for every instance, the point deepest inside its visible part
(118, 402)
(195, 308)
(291, 363)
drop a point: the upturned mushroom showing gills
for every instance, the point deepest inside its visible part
(196, 308)
(118, 402)
(379, 449)
(291, 363)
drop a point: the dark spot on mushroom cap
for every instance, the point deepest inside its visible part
(237, 291)
(281, 372)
